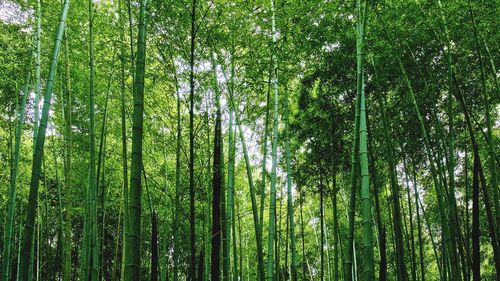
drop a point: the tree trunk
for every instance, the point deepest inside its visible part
(68, 143)
(38, 155)
(216, 208)
(154, 247)
(272, 196)
(192, 260)
(290, 207)
(133, 246)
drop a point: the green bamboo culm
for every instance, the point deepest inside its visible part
(36, 103)
(290, 208)
(366, 212)
(38, 156)
(177, 179)
(66, 266)
(123, 137)
(230, 199)
(274, 152)
(91, 255)
(133, 243)
(452, 204)
(349, 260)
(218, 196)
(11, 207)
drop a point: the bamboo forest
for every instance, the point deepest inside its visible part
(249, 140)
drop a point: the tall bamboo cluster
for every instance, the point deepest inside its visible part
(203, 154)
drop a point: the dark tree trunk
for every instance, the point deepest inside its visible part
(154, 247)
(216, 212)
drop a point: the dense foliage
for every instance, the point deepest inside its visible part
(240, 140)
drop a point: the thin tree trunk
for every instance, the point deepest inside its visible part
(476, 255)
(68, 142)
(264, 157)
(335, 229)
(125, 190)
(410, 216)
(100, 182)
(304, 269)
(378, 218)
(133, 245)
(154, 247)
(272, 204)
(322, 231)
(452, 204)
(217, 188)
(38, 155)
(290, 207)
(36, 117)
(229, 200)
(192, 263)
(419, 226)
(92, 262)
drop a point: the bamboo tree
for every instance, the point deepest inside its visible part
(272, 198)
(419, 227)
(225, 242)
(366, 212)
(206, 207)
(91, 247)
(217, 186)
(322, 230)
(37, 160)
(100, 181)
(349, 260)
(133, 246)
(336, 242)
(36, 121)
(123, 142)
(36, 105)
(234, 272)
(264, 155)
(177, 175)
(476, 256)
(68, 139)
(302, 234)
(217, 182)
(231, 198)
(192, 260)
(367, 250)
(289, 190)
(410, 218)
(378, 217)
(230, 186)
(154, 247)
(11, 207)
(454, 233)
(18, 252)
